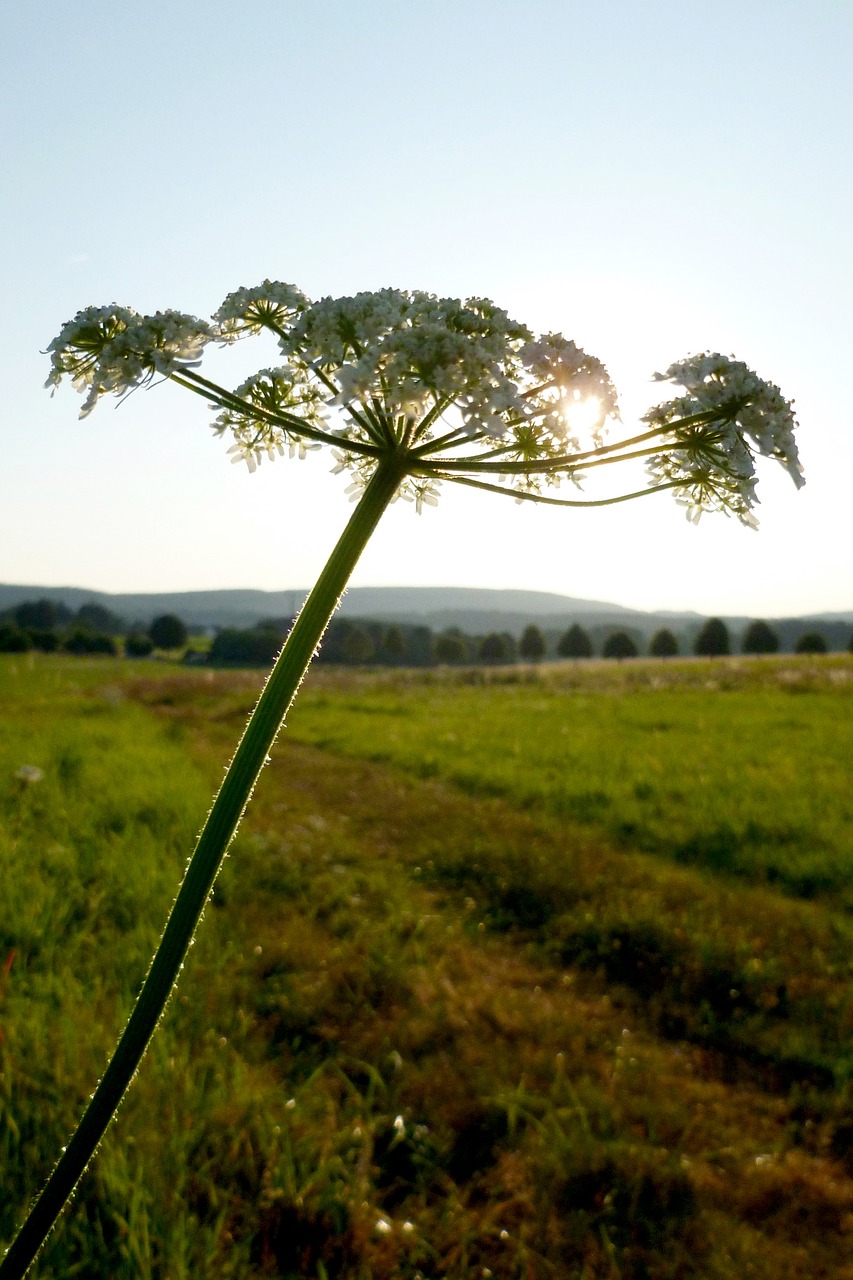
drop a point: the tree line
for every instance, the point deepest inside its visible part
(351, 642)
(52, 627)
(94, 629)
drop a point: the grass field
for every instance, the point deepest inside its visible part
(530, 973)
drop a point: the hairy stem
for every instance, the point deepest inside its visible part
(222, 822)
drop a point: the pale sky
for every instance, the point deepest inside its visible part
(653, 179)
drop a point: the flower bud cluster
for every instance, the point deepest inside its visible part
(712, 462)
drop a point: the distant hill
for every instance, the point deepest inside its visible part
(475, 610)
(466, 607)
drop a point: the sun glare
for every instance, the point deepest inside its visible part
(583, 415)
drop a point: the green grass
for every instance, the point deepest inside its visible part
(740, 767)
(436, 1023)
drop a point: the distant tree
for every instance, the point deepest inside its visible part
(663, 644)
(760, 637)
(850, 645)
(450, 647)
(45, 641)
(168, 632)
(811, 642)
(97, 618)
(138, 645)
(394, 645)
(619, 645)
(358, 647)
(575, 643)
(713, 640)
(81, 641)
(13, 639)
(532, 646)
(41, 615)
(494, 648)
(418, 646)
(249, 647)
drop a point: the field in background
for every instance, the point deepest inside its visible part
(534, 973)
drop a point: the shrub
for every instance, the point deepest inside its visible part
(713, 640)
(255, 646)
(80, 642)
(13, 639)
(575, 643)
(619, 645)
(532, 645)
(138, 645)
(168, 632)
(811, 642)
(760, 638)
(663, 644)
(44, 641)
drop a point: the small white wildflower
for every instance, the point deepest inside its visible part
(245, 452)
(29, 773)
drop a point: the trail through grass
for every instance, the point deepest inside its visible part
(741, 767)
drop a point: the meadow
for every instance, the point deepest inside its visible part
(533, 972)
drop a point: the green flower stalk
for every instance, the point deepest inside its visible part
(410, 391)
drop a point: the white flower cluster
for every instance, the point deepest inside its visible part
(569, 375)
(455, 390)
(411, 365)
(408, 351)
(727, 417)
(113, 349)
(268, 305)
(256, 419)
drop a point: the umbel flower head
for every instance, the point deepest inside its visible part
(457, 391)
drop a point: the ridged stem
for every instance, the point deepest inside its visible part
(218, 831)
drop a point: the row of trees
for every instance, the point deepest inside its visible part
(51, 627)
(345, 642)
(351, 643)
(712, 641)
(92, 629)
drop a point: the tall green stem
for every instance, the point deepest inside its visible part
(222, 822)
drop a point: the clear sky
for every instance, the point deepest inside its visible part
(650, 178)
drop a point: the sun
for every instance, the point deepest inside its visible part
(584, 415)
